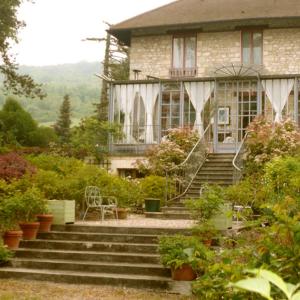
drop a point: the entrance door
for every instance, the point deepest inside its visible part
(237, 106)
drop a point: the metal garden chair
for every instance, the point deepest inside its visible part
(94, 200)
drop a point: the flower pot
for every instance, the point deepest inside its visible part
(122, 213)
(12, 239)
(30, 230)
(152, 205)
(45, 222)
(184, 273)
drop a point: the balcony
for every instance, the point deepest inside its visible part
(183, 72)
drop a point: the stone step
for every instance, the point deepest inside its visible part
(216, 169)
(201, 176)
(219, 159)
(219, 181)
(180, 209)
(114, 229)
(98, 267)
(99, 237)
(63, 276)
(89, 246)
(209, 172)
(177, 216)
(218, 164)
(125, 257)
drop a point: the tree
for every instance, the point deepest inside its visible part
(16, 124)
(16, 83)
(115, 66)
(62, 126)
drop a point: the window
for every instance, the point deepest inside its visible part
(252, 47)
(184, 56)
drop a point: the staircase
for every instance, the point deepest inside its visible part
(115, 256)
(217, 169)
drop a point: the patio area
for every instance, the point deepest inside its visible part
(138, 220)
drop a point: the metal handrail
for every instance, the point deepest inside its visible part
(184, 163)
(192, 151)
(238, 153)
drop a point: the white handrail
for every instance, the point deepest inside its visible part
(238, 152)
(192, 151)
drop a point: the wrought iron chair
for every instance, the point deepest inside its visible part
(94, 200)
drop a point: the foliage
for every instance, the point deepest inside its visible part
(207, 205)
(5, 254)
(153, 187)
(92, 136)
(14, 166)
(62, 126)
(25, 206)
(178, 250)
(172, 151)
(17, 127)
(18, 84)
(261, 284)
(267, 140)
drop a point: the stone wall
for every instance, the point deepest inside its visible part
(281, 52)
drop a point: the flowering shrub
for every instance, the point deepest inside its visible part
(172, 151)
(13, 166)
(267, 140)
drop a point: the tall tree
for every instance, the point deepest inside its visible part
(115, 66)
(9, 26)
(63, 124)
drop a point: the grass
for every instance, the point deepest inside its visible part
(36, 290)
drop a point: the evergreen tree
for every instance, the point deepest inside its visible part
(62, 126)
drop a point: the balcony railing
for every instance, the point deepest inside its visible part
(183, 72)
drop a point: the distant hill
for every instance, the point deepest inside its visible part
(77, 80)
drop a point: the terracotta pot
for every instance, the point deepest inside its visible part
(207, 242)
(185, 273)
(30, 230)
(12, 239)
(122, 213)
(45, 222)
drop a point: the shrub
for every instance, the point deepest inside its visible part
(5, 254)
(267, 140)
(153, 187)
(172, 151)
(13, 166)
(178, 250)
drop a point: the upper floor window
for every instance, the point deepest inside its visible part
(252, 47)
(184, 56)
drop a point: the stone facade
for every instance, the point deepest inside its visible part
(281, 52)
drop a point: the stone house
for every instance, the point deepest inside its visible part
(210, 65)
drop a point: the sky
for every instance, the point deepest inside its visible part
(55, 28)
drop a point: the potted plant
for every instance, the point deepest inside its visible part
(5, 254)
(27, 206)
(45, 219)
(185, 255)
(9, 228)
(206, 232)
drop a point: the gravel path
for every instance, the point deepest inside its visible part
(140, 221)
(36, 290)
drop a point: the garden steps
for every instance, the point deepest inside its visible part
(128, 280)
(73, 254)
(95, 266)
(217, 169)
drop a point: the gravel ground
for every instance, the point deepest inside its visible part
(35, 290)
(140, 221)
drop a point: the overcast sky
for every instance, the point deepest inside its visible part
(55, 28)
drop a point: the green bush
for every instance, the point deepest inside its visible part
(5, 254)
(178, 250)
(153, 187)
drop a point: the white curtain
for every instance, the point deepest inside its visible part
(278, 91)
(125, 95)
(149, 93)
(199, 93)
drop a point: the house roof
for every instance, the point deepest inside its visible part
(186, 12)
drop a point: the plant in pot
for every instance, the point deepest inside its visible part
(5, 254)
(203, 209)
(27, 206)
(9, 228)
(45, 219)
(185, 255)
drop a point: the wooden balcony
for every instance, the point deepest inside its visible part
(183, 72)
